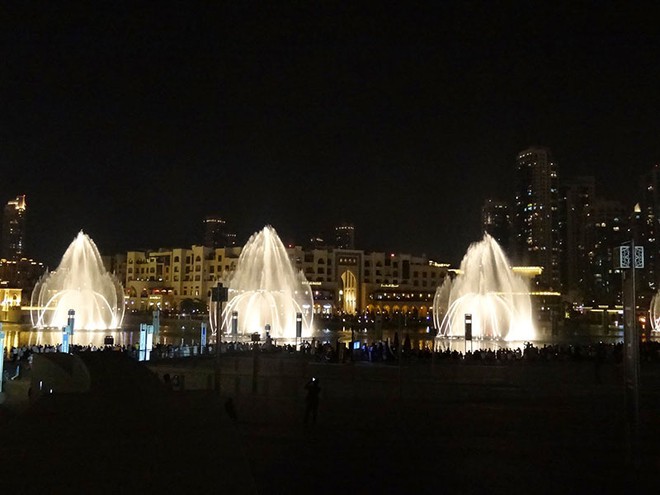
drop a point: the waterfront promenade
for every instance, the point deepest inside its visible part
(418, 427)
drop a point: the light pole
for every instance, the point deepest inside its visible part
(630, 258)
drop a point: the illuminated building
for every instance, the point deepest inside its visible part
(216, 233)
(537, 236)
(496, 221)
(645, 229)
(605, 229)
(13, 229)
(342, 280)
(345, 236)
(577, 197)
(17, 278)
(10, 304)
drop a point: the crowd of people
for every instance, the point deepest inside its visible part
(374, 352)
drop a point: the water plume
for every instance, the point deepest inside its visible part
(81, 283)
(491, 292)
(265, 290)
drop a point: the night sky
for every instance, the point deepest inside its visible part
(133, 123)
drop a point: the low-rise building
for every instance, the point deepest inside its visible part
(343, 281)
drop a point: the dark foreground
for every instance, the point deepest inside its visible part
(380, 429)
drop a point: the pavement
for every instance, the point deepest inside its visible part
(379, 430)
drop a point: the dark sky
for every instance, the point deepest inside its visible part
(133, 123)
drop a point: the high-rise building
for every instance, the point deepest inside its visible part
(645, 229)
(13, 229)
(537, 238)
(345, 236)
(496, 221)
(577, 196)
(216, 233)
(605, 228)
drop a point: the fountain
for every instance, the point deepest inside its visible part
(80, 283)
(486, 288)
(266, 290)
(654, 312)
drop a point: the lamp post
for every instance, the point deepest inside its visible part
(629, 258)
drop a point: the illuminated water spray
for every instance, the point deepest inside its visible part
(265, 290)
(654, 312)
(486, 288)
(80, 283)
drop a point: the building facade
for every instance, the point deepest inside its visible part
(537, 225)
(577, 196)
(496, 221)
(216, 233)
(606, 227)
(343, 281)
(645, 228)
(13, 229)
(345, 236)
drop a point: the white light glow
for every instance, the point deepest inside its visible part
(80, 283)
(491, 292)
(265, 289)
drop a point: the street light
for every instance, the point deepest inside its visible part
(630, 257)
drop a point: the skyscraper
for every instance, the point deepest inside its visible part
(345, 236)
(496, 221)
(645, 229)
(13, 229)
(537, 239)
(605, 228)
(216, 233)
(578, 194)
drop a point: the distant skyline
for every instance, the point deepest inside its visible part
(133, 123)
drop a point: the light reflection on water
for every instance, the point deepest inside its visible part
(188, 332)
(17, 335)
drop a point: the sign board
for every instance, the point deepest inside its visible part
(146, 341)
(219, 293)
(203, 336)
(639, 257)
(629, 257)
(65, 340)
(70, 321)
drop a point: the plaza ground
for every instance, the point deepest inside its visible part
(452, 427)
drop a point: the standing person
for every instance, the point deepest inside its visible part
(312, 399)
